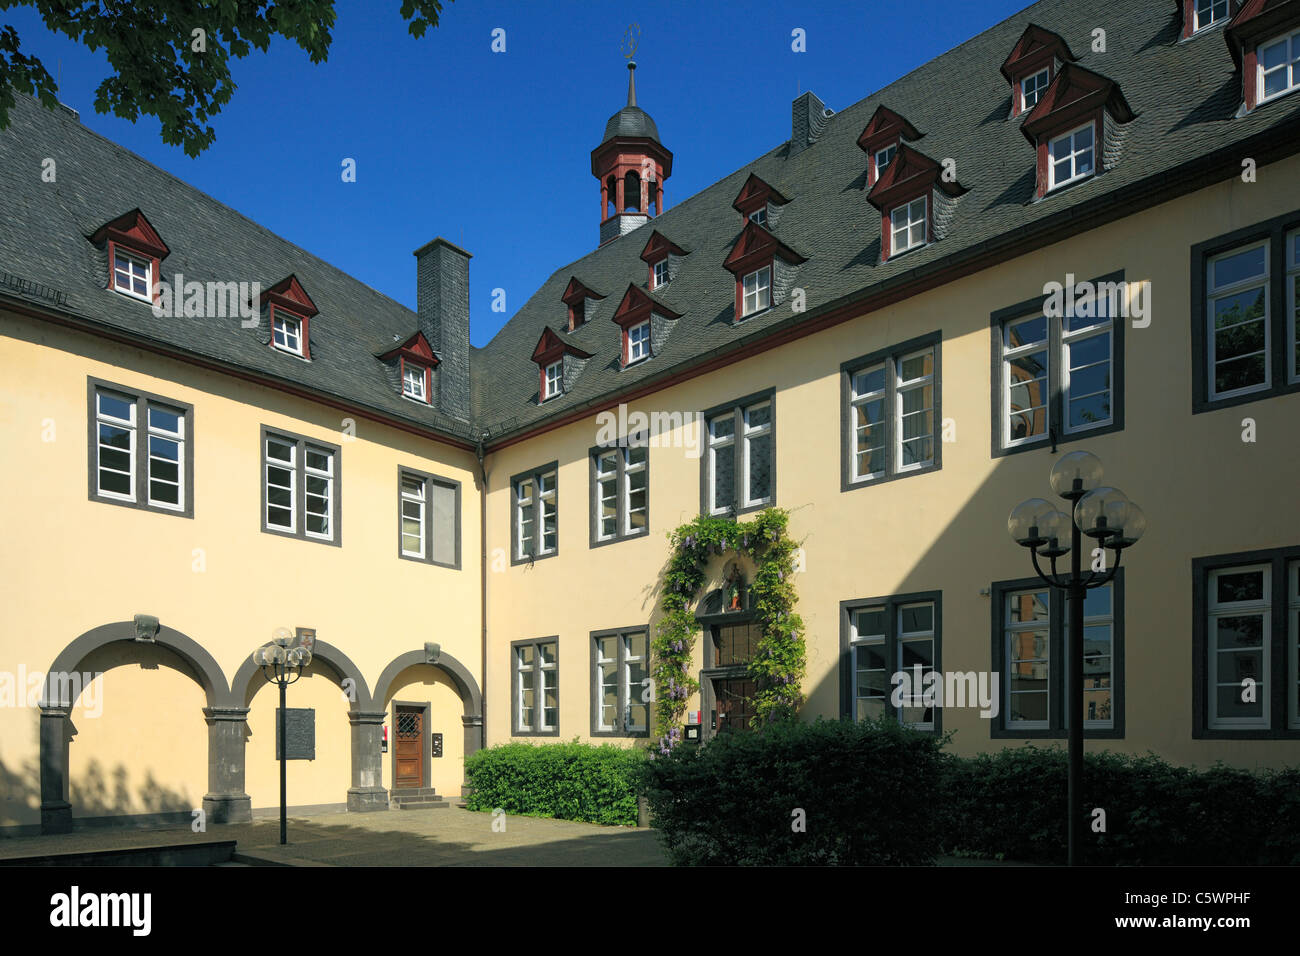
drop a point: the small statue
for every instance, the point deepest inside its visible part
(735, 588)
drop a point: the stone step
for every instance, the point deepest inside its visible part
(422, 805)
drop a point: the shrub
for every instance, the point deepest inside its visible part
(568, 781)
(864, 789)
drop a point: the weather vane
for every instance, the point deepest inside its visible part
(631, 37)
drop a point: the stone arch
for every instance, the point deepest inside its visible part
(470, 695)
(242, 687)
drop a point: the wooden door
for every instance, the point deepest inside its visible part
(409, 756)
(733, 704)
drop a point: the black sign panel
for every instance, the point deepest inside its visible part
(437, 745)
(300, 729)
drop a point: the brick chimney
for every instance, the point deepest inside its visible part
(808, 116)
(442, 306)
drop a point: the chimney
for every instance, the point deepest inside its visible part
(442, 306)
(808, 117)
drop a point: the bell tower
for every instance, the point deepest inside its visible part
(630, 163)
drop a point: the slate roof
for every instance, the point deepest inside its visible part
(1185, 95)
(631, 121)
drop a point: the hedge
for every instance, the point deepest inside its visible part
(799, 794)
(568, 781)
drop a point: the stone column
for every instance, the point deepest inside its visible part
(367, 792)
(473, 732)
(226, 801)
(56, 732)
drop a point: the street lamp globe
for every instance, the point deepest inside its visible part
(1135, 523)
(1027, 521)
(1102, 512)
(1075, 474)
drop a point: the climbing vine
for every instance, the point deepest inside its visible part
(779, 661)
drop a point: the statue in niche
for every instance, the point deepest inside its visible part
(734, 589)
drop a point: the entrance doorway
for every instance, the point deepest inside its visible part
(408, 746)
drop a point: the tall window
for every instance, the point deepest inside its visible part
(286, 331)
(757, 292)
(889, 418)
(299, 487)
(619, 683)
(554, 380)
(139, 450)
(536, 521)
(660, 274)
(1238, 316)
(1070, 157)
(1279, 67)
(907, 226)
(1032, 634)
(536, 687)
(885, 638)
(132, 275)
(429, 509)
(620, 492)
(414, 379)
(638, 342)
(739, 465)
(1033, 87)
(1210, 12)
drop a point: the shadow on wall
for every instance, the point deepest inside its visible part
(20, 793)
(99, 792)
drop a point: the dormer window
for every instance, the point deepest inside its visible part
(575, 298)
(884, 157)
(659, 274)
(286, 331)
(638, 342)
(1071, 156)
(1279, 67)
(1208, 13)
(132, 275)
(559, 363)
(907, 226)
(758, 202)
(1264, 40)
(757, 292)
(759, 216)
(663, 256)
(881, 139)
(553, 382)
(1033, 87)
(577, 314)
(415, 382)
(1032, 65)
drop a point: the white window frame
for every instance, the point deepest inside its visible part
(1010, 628)
(540, 505)
(1103, 325)
(178, 438)
(719, 445)
(554, 380)
(909, 221)
(105, 419)
(290, 465)
(659, 274)
(1074, 154)
(415, 500)
(545, 675)
(301, 477)
(134, 264)
(749, 433)
(858, 399)
(904, 637)
(287, 331)
(638, 342)
(858, 640)
(1213, 294)
(902, 386)
(756, 295)
(883, 157)
(759, 215)
(326, 475)
(414, 378)
(1197, 25)
(1010, 353)
(1038, 88)
(623, 686)
(1214, 610)
(1291, 64)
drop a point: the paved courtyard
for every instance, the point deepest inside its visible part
(447, 836)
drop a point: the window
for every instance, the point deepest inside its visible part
(638, 342)
(620, 674)
(1210, 12)
(1279, 67)
(140, 450)
(429, 518)
(577, 314)
(1060, 366)
(907, 226)
(620, 490)
(1070, 157)
(1246, 299)
(1246, 642)
(1030, 642)
(536, 687)
(132, 275)
(554, 380)
(739, 471)
(414, 380)
(884, 637)
(759, 216)
(757, 292)
(890, 412)
(286, 331)
(884, 157)
(1032, 88)
(535, 517)
(300, 487)
(660, 273)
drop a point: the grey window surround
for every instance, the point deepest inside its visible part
(618, 632)
(737, 408)
(1057, 613)
(1275, 231)
(429, 482)
(891, 354)
(1278, 560)
(140, 478)
(300, 490)
(536, 642)
(552, 467)
(593, 515)
(891, 603)
(1056, 434)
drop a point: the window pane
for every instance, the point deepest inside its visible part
(1240, 586)
(870, 622)
(760, 467)
(724, 478)
(1240, 266)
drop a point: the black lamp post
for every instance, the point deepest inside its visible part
(1101, 513)
(282, 664)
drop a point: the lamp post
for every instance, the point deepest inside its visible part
(282, 663)
(1107, 516)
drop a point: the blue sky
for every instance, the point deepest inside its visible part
(492, 150)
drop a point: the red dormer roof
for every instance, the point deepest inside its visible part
(755, 194)
(133, 230)
(636, 306)
(289, 294)
(575, 292)
(551, 347)
(659, 246)
(754, 247)
(1255, 20)
(1074, 93)
(909, 175)
(885, 127)
(1035, 49)
(415, 349)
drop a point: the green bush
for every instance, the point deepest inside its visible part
(864, 789)
(1011, 804)
(568, 781)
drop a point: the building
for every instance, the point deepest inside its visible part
(867, 312)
